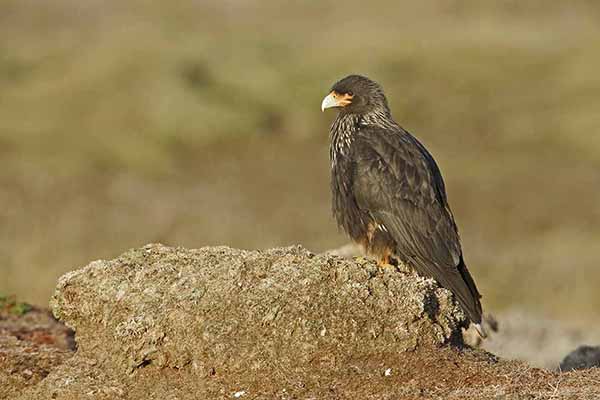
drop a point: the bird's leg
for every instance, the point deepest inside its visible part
(384, 262)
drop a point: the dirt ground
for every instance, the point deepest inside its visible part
(32, 343)
(448, 373)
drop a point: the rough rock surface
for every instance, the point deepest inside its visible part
(217, 308)
(171, 323)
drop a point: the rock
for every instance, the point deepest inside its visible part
(583, 357)
(220, 323)
(218, 310)
(217, 307)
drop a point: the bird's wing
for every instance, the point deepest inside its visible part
(398, 183)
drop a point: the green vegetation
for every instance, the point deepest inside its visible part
(10, 305)
(123, 123)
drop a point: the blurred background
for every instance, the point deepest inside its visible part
(198, 123)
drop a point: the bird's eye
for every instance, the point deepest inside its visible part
(350, 93)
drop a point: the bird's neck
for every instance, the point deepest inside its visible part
(381, 117)
(342, 133)
(347, 125)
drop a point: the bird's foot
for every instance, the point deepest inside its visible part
(384, 264)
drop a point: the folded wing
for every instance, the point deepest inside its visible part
(398, 183)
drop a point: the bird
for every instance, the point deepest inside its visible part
(388, 193)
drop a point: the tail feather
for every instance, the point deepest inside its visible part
(460, 283)
(481, 330)
(471, 305)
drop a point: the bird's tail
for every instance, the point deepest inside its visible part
(481, 330)
(471, 304)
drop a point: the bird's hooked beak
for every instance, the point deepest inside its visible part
(335, 99)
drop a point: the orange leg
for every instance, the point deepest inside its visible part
(384, 260)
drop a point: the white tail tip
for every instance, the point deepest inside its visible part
(481, 330)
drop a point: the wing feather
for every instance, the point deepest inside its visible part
(398, 183)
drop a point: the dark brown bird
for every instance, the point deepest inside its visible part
(388, 192)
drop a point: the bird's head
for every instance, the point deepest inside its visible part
(355, 94)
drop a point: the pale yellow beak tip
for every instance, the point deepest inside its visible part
(328, 102)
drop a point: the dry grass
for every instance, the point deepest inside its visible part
(124, 123)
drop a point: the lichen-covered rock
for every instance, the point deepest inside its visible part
(219, 323)
(218, 307)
